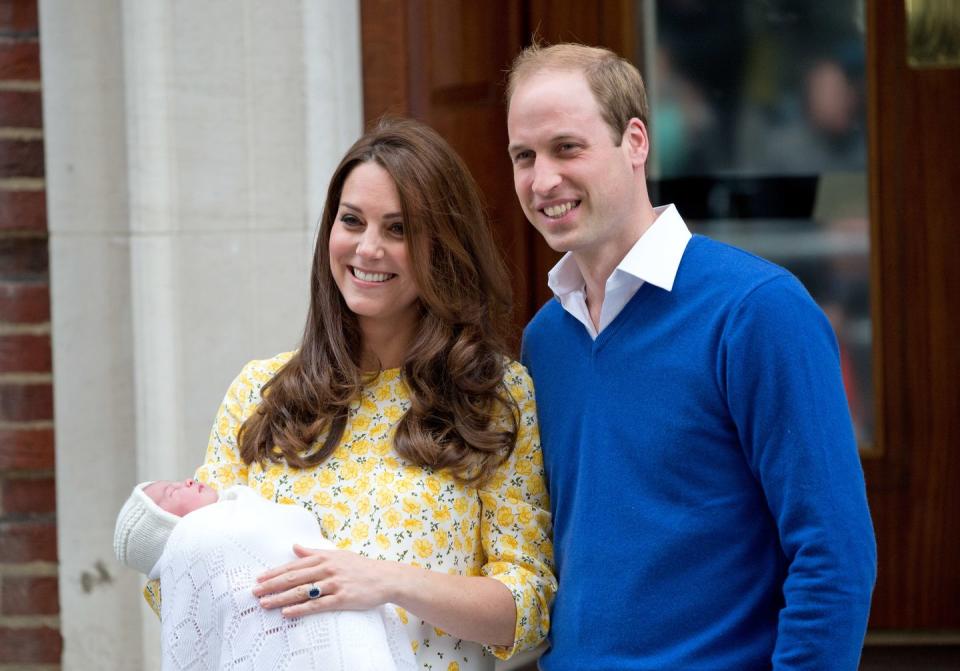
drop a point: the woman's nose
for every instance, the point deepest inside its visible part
(370, 244)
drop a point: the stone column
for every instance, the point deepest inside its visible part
(188, 146)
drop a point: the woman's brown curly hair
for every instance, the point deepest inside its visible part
(455, 365)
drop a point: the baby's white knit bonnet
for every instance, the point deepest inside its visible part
(142, 531)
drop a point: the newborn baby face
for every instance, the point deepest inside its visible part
(180, 498)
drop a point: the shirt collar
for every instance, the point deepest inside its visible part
(565, 277)
(654, 258)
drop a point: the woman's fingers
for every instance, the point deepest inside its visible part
(326, 580)
(288, 581)
(312, 606)
(308, 557)
(301, 551)
(301, 594)
(289, 575)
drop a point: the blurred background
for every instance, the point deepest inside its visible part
(162, 170)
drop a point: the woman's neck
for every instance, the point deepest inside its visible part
(385, 344)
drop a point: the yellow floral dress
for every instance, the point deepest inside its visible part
(371, 501)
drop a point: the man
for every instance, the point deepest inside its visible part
(708, 500)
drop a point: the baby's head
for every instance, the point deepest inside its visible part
(180, 498)
(150, 514)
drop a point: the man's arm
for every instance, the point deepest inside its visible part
(781, 371)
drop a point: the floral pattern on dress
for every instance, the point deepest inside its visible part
(371, 501)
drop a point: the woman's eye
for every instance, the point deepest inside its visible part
(349, 220)
(396, 229)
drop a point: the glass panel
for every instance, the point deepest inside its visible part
(758, 135)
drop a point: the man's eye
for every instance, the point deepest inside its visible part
(521, 156)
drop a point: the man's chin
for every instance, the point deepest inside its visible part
(560, 243)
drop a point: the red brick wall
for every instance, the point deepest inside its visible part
(29, 607)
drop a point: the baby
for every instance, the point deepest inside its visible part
(207, 558)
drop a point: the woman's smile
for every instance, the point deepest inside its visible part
(370, 276)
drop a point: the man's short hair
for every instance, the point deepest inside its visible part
(616, 83)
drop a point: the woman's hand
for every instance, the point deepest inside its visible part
(347, 581)
(470, 607)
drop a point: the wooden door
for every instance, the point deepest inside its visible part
(443, 62)
(913, 477)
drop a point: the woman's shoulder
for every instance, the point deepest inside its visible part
(517, 380)
(261, 370)
(251, 378)
(513, 368)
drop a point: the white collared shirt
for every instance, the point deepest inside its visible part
(654, 258)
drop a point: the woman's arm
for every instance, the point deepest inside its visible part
(470, 607)
(506, 607)
(222, 466)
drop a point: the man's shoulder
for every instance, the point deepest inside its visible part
(723, 259)
(546, 317)
(540, 334)
(546, 324)
(725, 274)
(737, 282)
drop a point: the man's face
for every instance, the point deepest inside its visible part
(576, 185)
(180, 498)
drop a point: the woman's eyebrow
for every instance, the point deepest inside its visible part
(388, 215)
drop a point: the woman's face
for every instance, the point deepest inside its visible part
(369, 259)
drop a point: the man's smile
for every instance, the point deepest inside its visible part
(558, 210)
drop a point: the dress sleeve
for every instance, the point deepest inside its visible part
(151, 594)
(781, 370)
(222, 467)
(515, 525)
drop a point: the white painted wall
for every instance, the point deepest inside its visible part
(188, 147)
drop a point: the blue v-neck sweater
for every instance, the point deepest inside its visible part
(708, 500)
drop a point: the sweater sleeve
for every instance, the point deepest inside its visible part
(515, 525)
(780, 368)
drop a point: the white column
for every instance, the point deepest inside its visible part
(188, 144)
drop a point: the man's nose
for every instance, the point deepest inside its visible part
(545, 177)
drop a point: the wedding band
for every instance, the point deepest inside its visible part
(314, 591)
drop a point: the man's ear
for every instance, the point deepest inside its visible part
(637, 142)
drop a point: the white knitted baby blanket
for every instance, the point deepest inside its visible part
(211, 621)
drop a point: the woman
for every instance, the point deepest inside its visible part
(400, 422)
